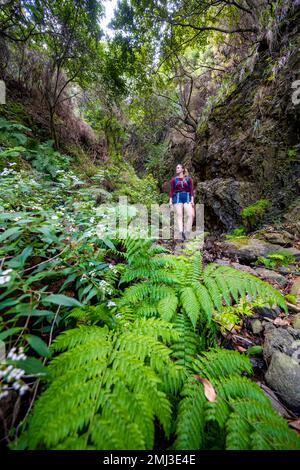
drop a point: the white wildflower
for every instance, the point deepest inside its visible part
(23, 389)
(110, 303)
(4, 280)
(7, 271)
(3, 394)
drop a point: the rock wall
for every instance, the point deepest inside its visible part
(249, 147)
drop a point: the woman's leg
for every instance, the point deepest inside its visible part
(178, 208)
(188, 218)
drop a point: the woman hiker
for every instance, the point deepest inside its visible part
(182, 197)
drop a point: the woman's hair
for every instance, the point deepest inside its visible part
(185, 170)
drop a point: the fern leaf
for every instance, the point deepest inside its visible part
(167, 307)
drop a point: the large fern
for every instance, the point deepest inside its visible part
(240, 418)
(164, 286)
(122, 370)
(107, 388)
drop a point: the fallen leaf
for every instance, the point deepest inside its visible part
(281, 322)
(241, 349)
(209, 390)
(295, 424)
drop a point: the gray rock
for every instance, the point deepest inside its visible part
(243, 267)
(257, 327)
(249, 249)
(279, 238)
(296, 322)
(278, 339)
(222, 262)
(292, 251)
(224, 199)
(295, 289)
(283, 375)
(283, 270)
(240, 267)
(269, 275)
(292, 217)
(267, 312)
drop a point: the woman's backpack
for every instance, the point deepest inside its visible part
(186, 180)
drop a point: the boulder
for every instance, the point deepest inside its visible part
(267, 312)
(249, 249)
(269, 275)
(296, 322)
(283, 238)
(292, 218)
(240, 267)
(257, 326)
(243, 267)
(295, 289)
(293, 252)
(283, 375)
(279, 339)
(223, 199)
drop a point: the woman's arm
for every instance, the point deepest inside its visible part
(172, 189)
(191, 189)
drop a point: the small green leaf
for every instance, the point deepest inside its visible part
(31, 365)
(35, 313)
(8, 233)
(254, 350)
(60, 299)
(9, 332)
(109, 243)
(19, 260)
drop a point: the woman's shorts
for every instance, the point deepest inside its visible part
(181, 197)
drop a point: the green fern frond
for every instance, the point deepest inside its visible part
(267, 437)
(204, 300)
(72, 338)
(146, 310)
(230, 281)
(213, 289)
(89, 314)
(190, 304)
(185, 347)
(158, 275)
(145, 290)
(167, 306)
(241, 417)
(222, 363)
(194, 270)
(190, 423)
(94, 381)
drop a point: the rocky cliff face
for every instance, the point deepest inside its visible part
(249, 147)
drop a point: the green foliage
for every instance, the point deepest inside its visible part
(241, 417)
(231, 316)
(106, 389)
(12, 133)
(292, 153)
(253, 214)
(169, 285)
(276, 259)
(236, 233)
(121, 371)
(291, 298)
